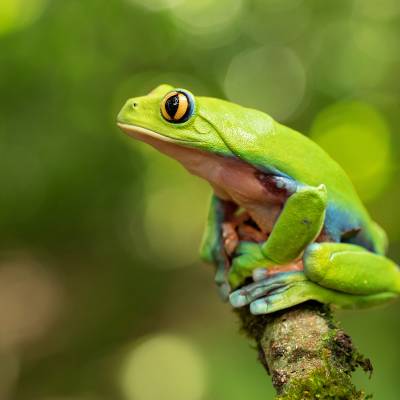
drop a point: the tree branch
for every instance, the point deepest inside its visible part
(306, 354)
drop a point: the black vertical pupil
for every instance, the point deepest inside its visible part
(171, 105)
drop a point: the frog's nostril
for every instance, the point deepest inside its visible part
(134, 105)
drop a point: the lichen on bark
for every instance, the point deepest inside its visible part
(307, 355)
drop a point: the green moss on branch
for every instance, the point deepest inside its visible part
(306, 354)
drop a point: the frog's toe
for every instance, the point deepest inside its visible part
(259, 274)
(243, 267)
(249, 293)
(267, 304)
(286, 297)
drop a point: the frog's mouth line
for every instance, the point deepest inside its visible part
(138, 132)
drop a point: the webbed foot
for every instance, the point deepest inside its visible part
(263, 291)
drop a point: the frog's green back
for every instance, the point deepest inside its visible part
(256, 138)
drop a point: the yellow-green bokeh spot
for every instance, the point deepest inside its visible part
(164, 366)
(15, 14)
(356, 135)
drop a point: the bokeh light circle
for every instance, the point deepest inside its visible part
(16, 14)
(350, 57)
(156, 5)
(205, 23)
(164, 367)
(267, 21)
(356, 135)
(30, 302)
(268, 78)
(207, 15)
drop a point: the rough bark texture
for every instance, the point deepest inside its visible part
(306, 354)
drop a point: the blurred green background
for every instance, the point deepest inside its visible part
(102, 295)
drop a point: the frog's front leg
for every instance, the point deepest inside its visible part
(345, 275)
(299, 223)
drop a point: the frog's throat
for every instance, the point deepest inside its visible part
(232, 179)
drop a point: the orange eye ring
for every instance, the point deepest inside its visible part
(177, 106)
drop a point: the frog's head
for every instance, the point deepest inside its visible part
(167, 117)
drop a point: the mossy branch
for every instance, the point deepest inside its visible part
(306, 354)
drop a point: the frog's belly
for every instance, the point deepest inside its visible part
(263, 208)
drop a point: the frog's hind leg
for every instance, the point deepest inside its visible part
(350, 269)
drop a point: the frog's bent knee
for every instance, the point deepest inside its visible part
(316, 259)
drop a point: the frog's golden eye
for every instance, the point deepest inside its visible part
(177, 106)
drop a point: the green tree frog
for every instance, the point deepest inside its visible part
(285, 223)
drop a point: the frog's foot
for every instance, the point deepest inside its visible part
(264, 289)
(288, 289)
(246, 259)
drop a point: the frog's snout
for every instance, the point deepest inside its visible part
(128, 111)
